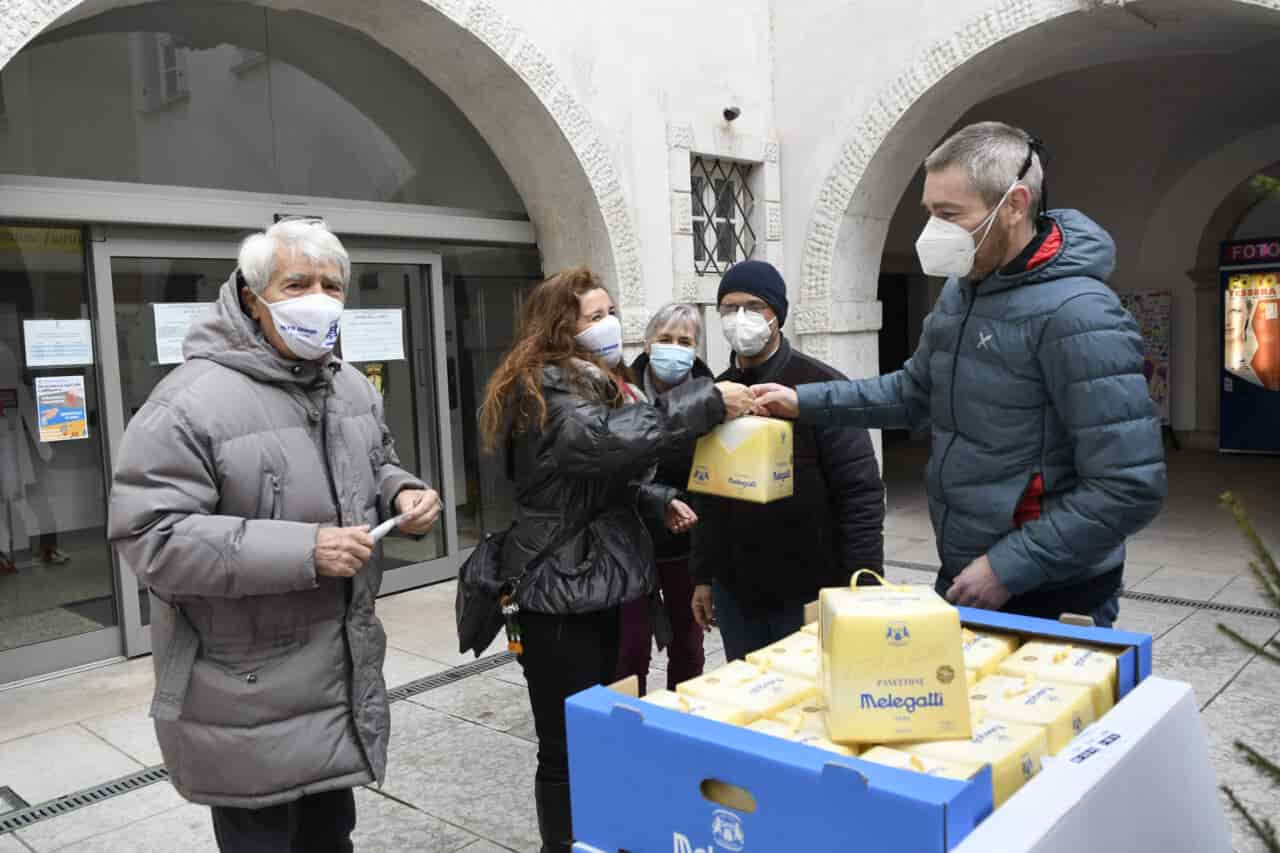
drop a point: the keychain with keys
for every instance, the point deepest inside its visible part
(510, 614)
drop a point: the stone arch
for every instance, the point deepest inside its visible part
(509, 90)
(896, 128)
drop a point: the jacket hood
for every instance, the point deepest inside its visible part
(1087, 252)
(226, 335)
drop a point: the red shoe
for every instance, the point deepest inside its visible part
(7, 567)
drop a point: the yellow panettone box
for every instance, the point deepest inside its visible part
(799, 734)
(892, 668)
(984, 651)
(1062, 710)
(740, 685)
(1069, 664)
(748, 459)
(1013, 750)
(698, 707)
(919, 763)
(795, 655)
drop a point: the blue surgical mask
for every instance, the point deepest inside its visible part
(671, 363)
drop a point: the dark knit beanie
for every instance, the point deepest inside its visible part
(761, 280)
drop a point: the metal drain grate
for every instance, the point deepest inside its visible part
(1215, 606)
(72, 802)
(450, 676)
(127, 784)
(1132, 595)
(10, 801)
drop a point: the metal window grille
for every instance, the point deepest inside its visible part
(722, 210)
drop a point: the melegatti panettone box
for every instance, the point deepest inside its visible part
(748, 459)
(647, 779)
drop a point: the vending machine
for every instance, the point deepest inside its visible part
(1250, 275)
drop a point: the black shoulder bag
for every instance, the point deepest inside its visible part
(485, 601)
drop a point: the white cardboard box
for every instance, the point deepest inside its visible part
(1137, 781)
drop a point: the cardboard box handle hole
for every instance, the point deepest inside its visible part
(728, 795)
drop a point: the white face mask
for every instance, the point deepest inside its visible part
(603, 339)
(748, 332)
(947, 250)
(308, 324)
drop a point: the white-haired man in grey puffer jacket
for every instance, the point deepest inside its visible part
(244, 496)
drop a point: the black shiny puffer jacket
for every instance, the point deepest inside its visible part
(594, 457)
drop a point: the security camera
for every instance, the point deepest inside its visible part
(731, 113)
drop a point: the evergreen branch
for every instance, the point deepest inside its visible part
(1262, 829)
(1249, 644)
(1265, 570)
(1260, 761)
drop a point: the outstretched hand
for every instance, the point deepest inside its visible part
(776, 400)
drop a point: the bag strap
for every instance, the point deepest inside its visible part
(512, 586)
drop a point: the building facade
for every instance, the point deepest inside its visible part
(465, 148)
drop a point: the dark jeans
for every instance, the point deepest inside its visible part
(563, 655)
(684, 656)
(747, 630)
(317, 823)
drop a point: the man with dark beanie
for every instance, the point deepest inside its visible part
(756, 566)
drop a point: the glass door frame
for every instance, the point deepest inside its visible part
(108, 242)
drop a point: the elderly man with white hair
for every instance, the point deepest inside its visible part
(244, 497)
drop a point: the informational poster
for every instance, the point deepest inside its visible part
(1153, 310)
(173, 319)
(373, 334)
(61, 409)
(58, 343)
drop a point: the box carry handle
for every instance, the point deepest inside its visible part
(728, 795)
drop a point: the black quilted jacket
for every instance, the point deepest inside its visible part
(595, 459)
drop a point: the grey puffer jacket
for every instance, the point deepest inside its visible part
(269, 677)
(593, 457)
(1036, 373)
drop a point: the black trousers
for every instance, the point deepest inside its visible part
(317, 823)
(563, 655)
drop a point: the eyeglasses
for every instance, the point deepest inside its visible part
(756, 305)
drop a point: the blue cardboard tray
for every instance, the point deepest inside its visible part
(646, 778)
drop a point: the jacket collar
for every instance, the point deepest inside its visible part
(770, 371)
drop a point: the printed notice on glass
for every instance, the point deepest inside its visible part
(61, 408)
(373, 335)
(173, 319)
(58, 343)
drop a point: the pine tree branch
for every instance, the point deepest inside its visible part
(1263, 829)
(1249, 644)
(1260, 761)
(1265, 570)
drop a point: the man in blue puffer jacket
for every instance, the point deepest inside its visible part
(1046, 450)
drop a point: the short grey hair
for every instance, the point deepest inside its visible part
(311, 237)
(992, 153)
(671, 314)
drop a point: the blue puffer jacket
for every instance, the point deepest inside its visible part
(1034, 373)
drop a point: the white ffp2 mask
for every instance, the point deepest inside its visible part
(603, 339)
(748, 332)
(308, 324)
(947, 250)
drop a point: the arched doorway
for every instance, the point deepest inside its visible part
(138, 143)
(1132, 98)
